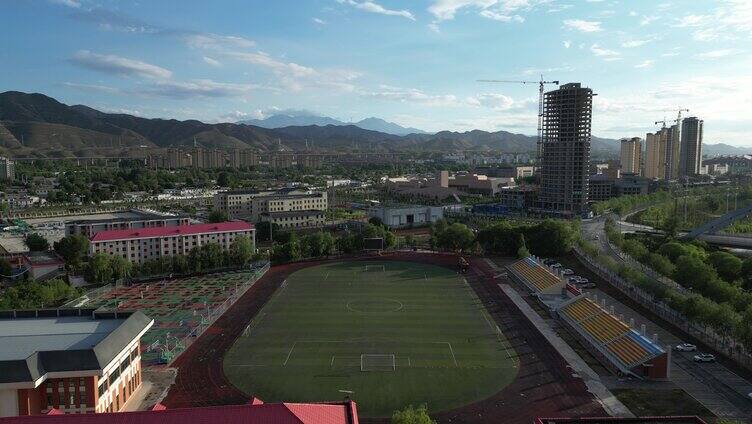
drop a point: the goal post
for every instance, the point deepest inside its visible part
(377, 268)
(377, 362)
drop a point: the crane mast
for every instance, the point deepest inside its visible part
(541, 84)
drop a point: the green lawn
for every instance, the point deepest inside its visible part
(419, 331)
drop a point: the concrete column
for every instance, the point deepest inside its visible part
(643, 329)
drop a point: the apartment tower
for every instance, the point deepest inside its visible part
(690, 156)
(656, 149)
(567, 117)
(631, 155)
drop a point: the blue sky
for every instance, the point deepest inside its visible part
(412, 62)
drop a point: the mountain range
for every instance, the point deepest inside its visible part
(33, 125)
(282, 120)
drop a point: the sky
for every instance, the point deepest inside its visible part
(416, 63)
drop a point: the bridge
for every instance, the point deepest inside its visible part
(719, 223)
(725, 240)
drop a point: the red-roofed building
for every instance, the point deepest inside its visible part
(255, 412)
(139, 245)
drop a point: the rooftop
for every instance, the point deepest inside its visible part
(20, 338)
(179, 230)
(38, 342)
(251, 413)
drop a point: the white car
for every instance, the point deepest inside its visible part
(704, 357)
(686, 347)
(556, 265)
(568, 272)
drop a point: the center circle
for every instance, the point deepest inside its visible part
(374, 305)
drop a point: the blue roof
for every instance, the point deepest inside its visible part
(646, 343)
(530, 261)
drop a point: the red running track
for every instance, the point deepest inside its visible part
(543, 387)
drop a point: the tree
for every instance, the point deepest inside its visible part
(456, 237)
(72, 248)
(223, 179)
(746, 274)
(522, 251)
(241, 250)
(265, 230)
(5, 268)
(728, 266)
(550, 238)
(412, 415)
(99, 270)
(217, 215)
(692, 272)
(36, 243)
(121, 267)
(375, 220)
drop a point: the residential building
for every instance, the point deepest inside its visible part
(673, 151)
(250, 204)
(296, 219)
(567, 116)
(139, 219)
(601, 187)
(690, 156)
(631, 155)
(400, 216)
(151, 243)
(85, 361)
(656, 151)
(251, 412)
(7, 169)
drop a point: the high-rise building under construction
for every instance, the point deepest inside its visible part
(564, 171)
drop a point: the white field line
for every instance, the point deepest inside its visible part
(326, 276)
(289, 353)
(452, 351)
(331, 364)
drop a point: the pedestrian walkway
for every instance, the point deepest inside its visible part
(610, 403)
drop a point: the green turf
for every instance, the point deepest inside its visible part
(306, 343)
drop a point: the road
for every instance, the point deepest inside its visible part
(714, 385)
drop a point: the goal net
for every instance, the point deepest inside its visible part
(371, 362)
(374, 268)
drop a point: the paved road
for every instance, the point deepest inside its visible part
(712, 384)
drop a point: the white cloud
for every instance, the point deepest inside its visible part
(216, 41)
(496, 16)
(632, 13)
(196, 88)
(411, 95)
(212, 62)
(238, 115)
(68, 3)
(730, 20)
(92, 87)
(118, 65)
(444, 10)
(318, 21)
(542, 71)
(645, 64)
(604, 53)
(582, 25)
(372, 7)
(635, 43)
(648, 19)
(717, 54)
(491, 100)
(262, 59)
(567, 44)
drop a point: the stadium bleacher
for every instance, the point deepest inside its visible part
(621, 344)
(534, 274)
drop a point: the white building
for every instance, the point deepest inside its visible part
(399, 216)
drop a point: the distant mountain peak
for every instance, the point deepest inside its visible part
(304, 119)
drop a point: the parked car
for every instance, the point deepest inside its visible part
(549, 261)
(704, 357)
(568, 272)
(686, 347)
(556, 265)
(586, 285)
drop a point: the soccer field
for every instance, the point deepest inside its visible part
(392, 333)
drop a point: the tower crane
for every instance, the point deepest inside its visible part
(678, 116)
(540, 83)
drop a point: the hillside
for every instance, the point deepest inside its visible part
(34, 124)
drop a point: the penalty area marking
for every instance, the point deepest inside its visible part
(454, 358)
